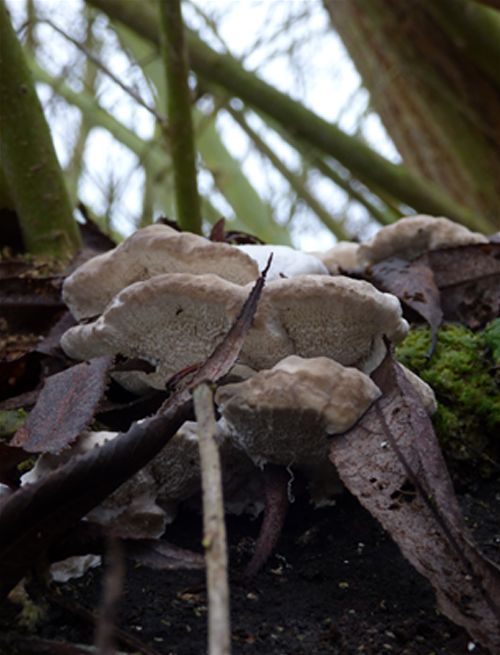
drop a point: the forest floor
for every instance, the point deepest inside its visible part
(337, 585)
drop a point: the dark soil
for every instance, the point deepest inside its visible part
(337, 585)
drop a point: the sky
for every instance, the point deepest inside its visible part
(306, 60)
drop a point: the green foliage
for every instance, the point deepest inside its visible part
(10, 421)
(463, 372)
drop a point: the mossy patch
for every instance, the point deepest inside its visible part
(465, 375)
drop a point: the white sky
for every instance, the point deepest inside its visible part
(318, 73)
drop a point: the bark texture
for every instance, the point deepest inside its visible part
(427, 82)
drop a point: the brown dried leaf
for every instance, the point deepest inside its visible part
(218, 230)
(391, 461)
(38, 515)
(468, 278)
(161, 556)
(413, 283)
(65, 407)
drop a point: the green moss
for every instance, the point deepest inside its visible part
(11, 421)
(466, 382)
(492, 336)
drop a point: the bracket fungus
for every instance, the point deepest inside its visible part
(343, 255)
(174, 321)
(151, 251)
(412, 236)
(284, 415)
(143, 506)
(286, 262)
(337, 317)
(307, 357)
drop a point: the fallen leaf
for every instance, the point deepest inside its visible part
(217, 231)
(30, 304)
(65, 407)
(468, 278)
(161, 556)
(391, 461)
(413, 283)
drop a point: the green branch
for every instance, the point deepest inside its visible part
(292, 178)
(301, 123)
(180, 125)
(28, 158)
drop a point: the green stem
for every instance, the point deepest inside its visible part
(301, 123)
(28, 158)
(180, 125)
(75, 166)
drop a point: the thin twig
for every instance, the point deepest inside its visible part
(98, 63)
(214, 538)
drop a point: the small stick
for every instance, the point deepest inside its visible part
(214, 537)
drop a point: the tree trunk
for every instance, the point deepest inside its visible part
(31, 170)
(438, 103)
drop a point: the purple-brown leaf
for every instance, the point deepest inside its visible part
(391, 461)
(468, 278)
(161, 556)
(65, 407)
(413, 283)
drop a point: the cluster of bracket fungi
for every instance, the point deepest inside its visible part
(303, 374)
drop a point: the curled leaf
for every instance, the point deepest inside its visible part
(391, 461)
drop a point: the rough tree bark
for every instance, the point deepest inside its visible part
(440, 103)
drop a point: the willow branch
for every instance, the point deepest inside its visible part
(363, 162)
(28, 158)
(180, 124)
(293, 180)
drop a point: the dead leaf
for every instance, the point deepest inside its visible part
(391, 461)
(413, 283)
(217, 232)
(65, 407)
(468, 278)
(161, 556)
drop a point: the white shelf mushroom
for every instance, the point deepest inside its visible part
(287, 262)
(337, 317)
(175, 321)
(283, 415)
(147, 502)
(154, 250)
(343, 254)
(412, 236)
